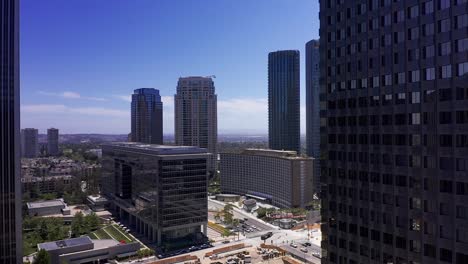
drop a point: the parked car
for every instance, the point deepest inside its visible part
(307, 244)
(293, 245)
(304, 250)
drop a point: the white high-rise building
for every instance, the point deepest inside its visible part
(196, 122)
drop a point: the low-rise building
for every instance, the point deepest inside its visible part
(97, 203)
(45, 184)
(47, 208)
(281, 178)
(86, 250)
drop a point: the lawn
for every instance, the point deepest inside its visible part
(101, 234)
(92, 236)
(118, 234)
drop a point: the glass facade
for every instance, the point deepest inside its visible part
(166, 192)
(10, 192)
(284, 100)
(147, 116)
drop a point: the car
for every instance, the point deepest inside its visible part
(266, 236)
(307, 244)
(293, 245)
(304, 250)
(316, 254)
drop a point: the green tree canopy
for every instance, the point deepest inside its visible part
(42, 257)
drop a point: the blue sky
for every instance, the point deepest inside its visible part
(81, 59)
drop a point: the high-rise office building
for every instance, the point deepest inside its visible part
(281, 178)
(10, 189)
(284, 100)
(159, 190)
(147, 116)
(312, 73)
(52, 141)
(196, 121)
(394, 122)
(29, 143)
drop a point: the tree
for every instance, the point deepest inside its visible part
(78, 224)
(226, 233)
(43, 230)
(92, 221)
(228, 215)
(42, 257)
(217, 217)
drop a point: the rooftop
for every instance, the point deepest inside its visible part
(42, 204)
(285, 154)
(72, 242)
(156, 149)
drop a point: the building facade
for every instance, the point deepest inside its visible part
(10, 187)
(284, 100)
(394, 122)
(313, 106)
(29, 143)
(147, 116)
(159, 190)
(196, 121)
(53, 141)
(281, 178)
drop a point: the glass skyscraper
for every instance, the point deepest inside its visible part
(147, 116)
(394, 131)
(284, 100)
(10, 192)
(313, 107)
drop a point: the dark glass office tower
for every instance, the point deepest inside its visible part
(10, 192)
(394, 132)
(147, 116)
(313, 107)
(284, 100)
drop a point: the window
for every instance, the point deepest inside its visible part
(445, 140)
(461, 21)
(444, 208)
(428, 52)
(399, 16)
(428, 7)
(445, 255)
(415, 97)
(445, 118)
(444, 25)
(413, 54)
(415, 76)
(461, 164)
(446, 163)
(414, 140)
(400, 78)
(462, 188)
(413, 33)
(375, 81)
(430, 74)
(428, 29)
(444, 49)
(445, 94)
(413, 11)
(415, 118)
(400, 98)
(462, 45)
(445, 187)
(462, 68)
(446, 71)
(387, 80)
(443, 4)
(462, 212)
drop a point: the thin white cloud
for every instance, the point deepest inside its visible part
(71, 95)
(62, 109)
(126, 98)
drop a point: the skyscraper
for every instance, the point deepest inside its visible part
(394, 122)
(313, 107)
(196, 122)
(147, 116)
(29, 143)
(52, 141)
(284, 100)
(10, 188)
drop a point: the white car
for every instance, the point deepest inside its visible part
(293, 245)
(304, 250)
